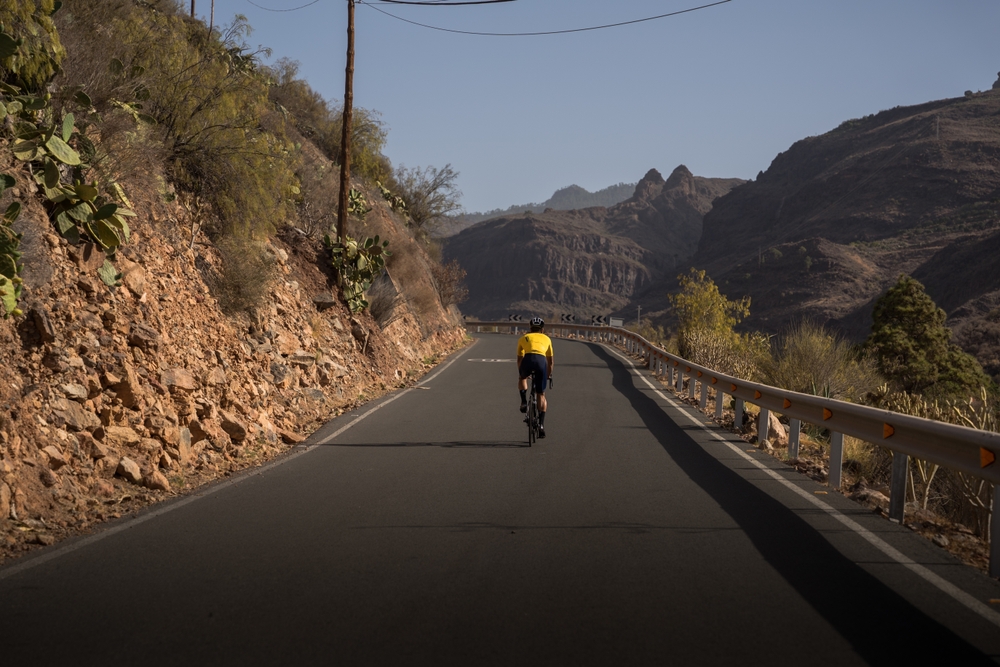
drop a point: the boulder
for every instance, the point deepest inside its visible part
(74, 391)
(777, 436)
(286, 343)
(129, 390)
(55, 457)
(324, 301)
(121, 435)
(5, 500)
(156, 481)
(283, 376)
(178, 379)
(144, 337)
(216, 377)
(129, 470)
(233, 426)
(43, 323)
(74, 415)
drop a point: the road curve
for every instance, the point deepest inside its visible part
(427, 532)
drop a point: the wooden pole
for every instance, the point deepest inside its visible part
(192, 8)
(345, 137)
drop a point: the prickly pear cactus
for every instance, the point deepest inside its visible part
(10, 281)
(358, 263)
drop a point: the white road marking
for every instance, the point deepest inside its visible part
(11, 570)
(938, 582)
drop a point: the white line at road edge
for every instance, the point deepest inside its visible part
(943, 585)
(131, 523)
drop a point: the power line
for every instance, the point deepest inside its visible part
(426, 3)
(546, 32)
(293, 9)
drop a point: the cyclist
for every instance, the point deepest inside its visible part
(534, 357)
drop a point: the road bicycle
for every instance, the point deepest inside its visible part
(531, 418)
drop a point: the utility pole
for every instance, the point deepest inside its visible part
(192, 8)
(211, 19)
(638, 317)
(345, 137)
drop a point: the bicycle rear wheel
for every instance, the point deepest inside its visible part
(532, 419)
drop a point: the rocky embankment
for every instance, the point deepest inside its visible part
(112, 399)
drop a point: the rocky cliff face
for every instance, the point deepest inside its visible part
(112, 399)
(588, 261)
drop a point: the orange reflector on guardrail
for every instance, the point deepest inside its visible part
(733, 387)
(826, 414)
(986, 457)
(888, 431)
(699, 373)
(787, 403)
(677, 363)
(688, 370)
(756, 394)
(714, 380)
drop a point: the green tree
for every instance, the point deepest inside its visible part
(701, 309)
(913, 346)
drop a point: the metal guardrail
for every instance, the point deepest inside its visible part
(956, 447)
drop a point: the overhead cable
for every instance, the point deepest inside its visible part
(539, 33)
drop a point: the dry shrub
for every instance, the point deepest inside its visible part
(246, 274)
(449, 279)
(960, 497)
(383, 299)
(812, 361)
(739, 355)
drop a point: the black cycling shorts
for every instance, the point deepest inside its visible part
(538, 366)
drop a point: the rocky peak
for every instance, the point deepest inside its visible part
(680, 176)
(649, 186)
(996, 84)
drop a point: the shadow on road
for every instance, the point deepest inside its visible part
(883, 628)
(480, 443)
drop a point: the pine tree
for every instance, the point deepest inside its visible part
(913, 346)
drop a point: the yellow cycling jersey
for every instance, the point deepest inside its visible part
(534, 343)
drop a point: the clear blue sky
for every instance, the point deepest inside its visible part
(722, 90)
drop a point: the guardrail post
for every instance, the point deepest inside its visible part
(763, 422)
(720, 403)
(691, 385)
(679, 384)
(836, 459)
(794, 428)
(897, 486)
(738, 416)
(703, 403)
(995, 533)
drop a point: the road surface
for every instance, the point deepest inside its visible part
(421, 529)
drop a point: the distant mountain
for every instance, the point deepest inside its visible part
(585, 261)
(564, 199)
(838, 217)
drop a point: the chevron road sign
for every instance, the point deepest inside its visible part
(567, 317)
(599, 319)
(515, 318)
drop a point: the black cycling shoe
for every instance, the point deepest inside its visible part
(524, 406)
(541, 431)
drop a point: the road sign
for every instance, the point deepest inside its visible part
(515, 318)
(567, 317)
(599, 319)
(616, 322)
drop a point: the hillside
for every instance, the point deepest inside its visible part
(586, 261)
(564, 199)
(205, 336)
(836, 218)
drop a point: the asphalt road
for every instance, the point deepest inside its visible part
(427, 532)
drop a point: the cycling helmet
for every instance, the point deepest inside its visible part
(537, 323)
